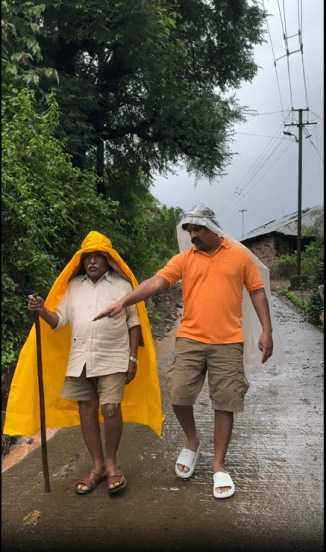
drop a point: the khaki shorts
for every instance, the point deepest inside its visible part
(225, 374)
(109, 389)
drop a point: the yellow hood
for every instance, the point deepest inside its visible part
(142, 397)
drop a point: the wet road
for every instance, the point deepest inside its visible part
(275, 458)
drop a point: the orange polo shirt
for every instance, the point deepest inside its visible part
(212, 291)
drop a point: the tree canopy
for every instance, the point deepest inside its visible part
(96, 98)
(147, 84)
(48, 205)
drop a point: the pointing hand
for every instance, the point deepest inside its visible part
(110, 311)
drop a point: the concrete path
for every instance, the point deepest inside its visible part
(275, 458)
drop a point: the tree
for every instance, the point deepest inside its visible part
(48, 205)
(145, 85)
(20, 50)
(43, 218)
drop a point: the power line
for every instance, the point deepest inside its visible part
(313, 145)
(288, 35)
(242, 192)
(271, 43)
(267, 158)
(317, 116)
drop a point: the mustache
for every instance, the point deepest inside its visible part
(195, 240)
(92, 265)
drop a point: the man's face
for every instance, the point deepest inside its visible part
(201, 237)
(95, 264)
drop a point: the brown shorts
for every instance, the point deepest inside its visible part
(109, 388)
(225, 374)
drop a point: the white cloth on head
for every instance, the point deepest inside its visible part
(203, 216)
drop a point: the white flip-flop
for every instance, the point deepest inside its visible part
(223, 479)
(189, 459)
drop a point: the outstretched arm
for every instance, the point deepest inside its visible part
(261, 306)
(146, 289)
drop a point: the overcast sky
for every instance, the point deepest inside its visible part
(262, 180)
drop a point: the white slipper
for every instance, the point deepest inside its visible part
(223, 479)
(189, 459)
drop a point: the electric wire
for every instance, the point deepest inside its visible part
(308, 136)
(276, 74)
(300, 34)
(225, 209)
(254, 170)
(286, 49)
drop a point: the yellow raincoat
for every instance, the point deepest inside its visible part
(142, 398)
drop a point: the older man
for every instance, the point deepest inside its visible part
(97, 360)
(214, 272)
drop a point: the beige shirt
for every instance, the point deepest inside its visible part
(103, 345)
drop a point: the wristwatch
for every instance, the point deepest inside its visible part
(133, 359)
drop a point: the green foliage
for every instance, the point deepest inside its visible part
(48, 207)
(287, 260)
(300, 303)
(312, 267)
(317, 229)
(139, 86)
(15, 320)
(20, 50)
(285, 268)
(298, 281)
(312, 263)
(312, 273)
(148, 234)
(154, 315)
(150, 80)
(315, 308)
(152, 238)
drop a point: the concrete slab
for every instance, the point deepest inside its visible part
(275, 458)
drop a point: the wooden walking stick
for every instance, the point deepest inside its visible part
(42, 408)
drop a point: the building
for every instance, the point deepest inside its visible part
(279, 237)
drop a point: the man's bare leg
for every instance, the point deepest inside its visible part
(113, 425)
(88, 413)
(185, 416)
(223, 426)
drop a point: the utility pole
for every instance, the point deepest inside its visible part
(300, 125)
(243, 211)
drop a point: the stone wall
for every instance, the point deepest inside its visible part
(266, 250)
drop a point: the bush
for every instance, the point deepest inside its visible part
(298, 281)
(48, 207)
(315, 309)
(285, 268)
